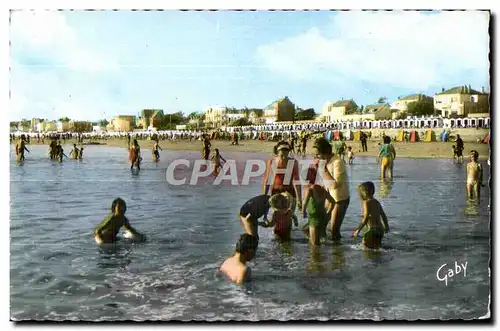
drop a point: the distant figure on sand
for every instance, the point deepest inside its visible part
(474, 176)
(386, 157)
(206, 147)
(235, 267)
(460, 149)
(135, 155)
(216, 162)
(314, 210)
(372, 215)
(20, 149)
(156, 153)
(107, 230)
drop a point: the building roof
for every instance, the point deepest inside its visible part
(460, 90)
(277, 101)
(343, 103)
(414, 96)
(369, 109)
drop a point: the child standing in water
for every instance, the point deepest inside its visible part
(235, 267)
(216, 162)
(20, 149)
(108, 229)
(75, 152)
(283, 205)
(314, 207)
(372, 213)
(80, 154)
(350, 155)
(156, 153)
(474, 176)
(135, 155)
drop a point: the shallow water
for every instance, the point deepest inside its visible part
(58, 273)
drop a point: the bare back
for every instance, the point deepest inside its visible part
(374, 211)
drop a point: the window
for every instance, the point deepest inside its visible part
(453, 99)
(472, 99)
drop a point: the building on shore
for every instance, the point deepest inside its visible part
(403, 102)
(122, 123)
(460, 101)
(280, 110)
(62, 126)
(215, 117)
(336, 110)
(80, 126)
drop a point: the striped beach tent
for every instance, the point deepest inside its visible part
(413, 136)
(430, 135)
(401, 135)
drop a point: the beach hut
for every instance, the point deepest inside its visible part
(357, 135)
(329, 135)
(348, 135)
(413, 136)
(401, 135)
(336, 135)
(430, 135)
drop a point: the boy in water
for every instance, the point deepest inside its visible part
(235, 267)
(108, 229)
(60, 152)
(216, 162)
(350, 155)
(314, 207)
(80, 154)
(372, 213)
(474, 176)
(156, 153)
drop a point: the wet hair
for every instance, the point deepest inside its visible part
(387, 140)
(366, 190)
(323, 146)
(474, 154)
(117, 201)
(246, 243)
(216, 150)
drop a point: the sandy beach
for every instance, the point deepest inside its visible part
(407, 150)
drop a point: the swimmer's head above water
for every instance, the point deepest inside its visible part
(118, 207)
(246, 246)
(366, 190)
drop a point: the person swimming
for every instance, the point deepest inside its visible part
(235, 267)
(107, 230)
(474, 176)
(314, 210)
(216, 162)
(372, 213)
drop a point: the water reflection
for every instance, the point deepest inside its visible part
(472, 207)
(114, 255)
(316, 260)
(385, 188)
(338, 257)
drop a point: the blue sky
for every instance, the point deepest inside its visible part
(94, 65)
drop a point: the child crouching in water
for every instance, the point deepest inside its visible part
(107, 230)
(372, 213)
(313, 208)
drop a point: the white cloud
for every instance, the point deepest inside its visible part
(405, 49)
(70, 84)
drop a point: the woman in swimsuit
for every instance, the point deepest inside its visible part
(474, 176)
(135, 155)
(275, 175)
(386, 157)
